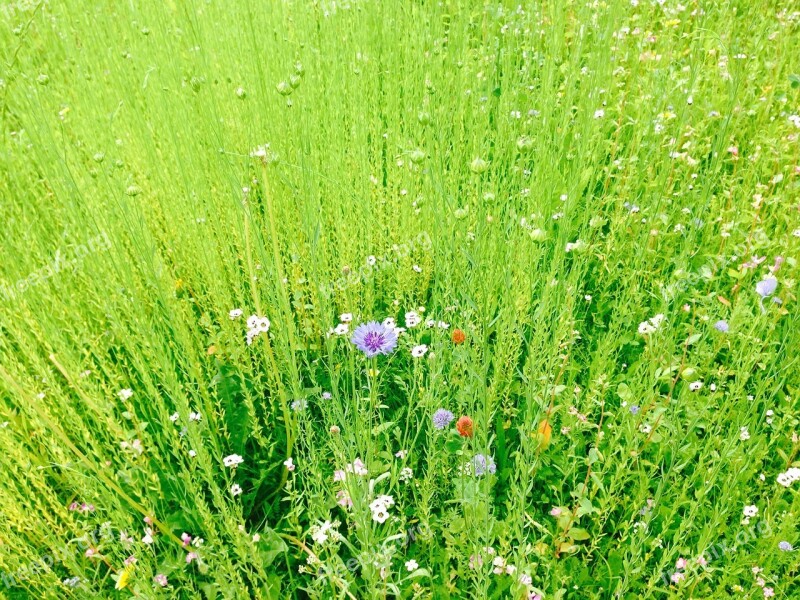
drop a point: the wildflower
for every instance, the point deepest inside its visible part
(651, 325)
(327, 395)
(148, 536)
(525, 579)
(160, 579)
(299, 404)
(289, 464)
(721, 326)
(258, 324)
(681, 563)
(174, 417)
(232, 460)
(125, 394)
(341, 329)
(419, 351)
(320, 533)
(442, 418)
(464, 426)
(412, 565)
(555, 511)
(236, 489)
(374, 338)
(677, 577)
(186, 539)
(634, 409)
(380, 508)
(499, 564)
(482, 464)
(235, 313)
(750, 511)
(412, 319)
(192, 556)
(744, 434)
(346, 317)
(695, 385)
(401, 454)
(194, 416)
(458, 337)
(357, 467)
(334, 430)
(768, 592)
(406, 474)
(417, 269)
(343, 499)
(785, 546)
(766, 287)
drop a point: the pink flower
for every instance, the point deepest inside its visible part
(160, 579)
(681, 563)
(768, 592)
(555, 511)
(343, 499)
(339, 475)
(190, 557)
(702, 561)
(289, 464)
(676, 577)
(186, 538)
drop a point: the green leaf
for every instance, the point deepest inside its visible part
(578, 534)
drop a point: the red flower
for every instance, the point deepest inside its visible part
(464, 426)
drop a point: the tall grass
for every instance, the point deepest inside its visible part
(544, 178)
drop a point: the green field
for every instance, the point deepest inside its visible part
(573, 224)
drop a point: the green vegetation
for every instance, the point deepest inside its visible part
(583, 217)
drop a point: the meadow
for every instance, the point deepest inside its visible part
(399, 299)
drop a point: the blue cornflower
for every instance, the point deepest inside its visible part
(373, 338)
(442, 418)
(482, 464)
(766, 287)
(721, 326)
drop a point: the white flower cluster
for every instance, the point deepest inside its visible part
(791, 475)
(380, 508)
(651, 325)
(255, 326)
(321, 533)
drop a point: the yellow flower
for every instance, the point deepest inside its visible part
(124, 577)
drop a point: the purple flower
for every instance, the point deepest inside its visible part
(785, 546)
(442, 418)
(374, 338)
(634, 409)
(721, 326)
(766, 287)
(481, 464)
